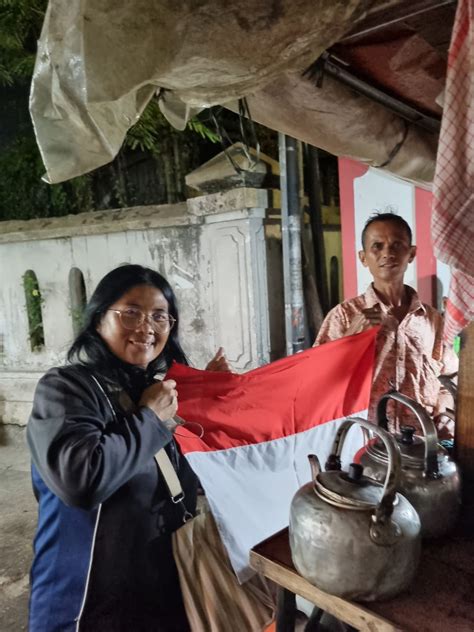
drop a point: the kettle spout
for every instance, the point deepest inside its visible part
(315, 466)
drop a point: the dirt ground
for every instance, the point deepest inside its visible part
(18, 513)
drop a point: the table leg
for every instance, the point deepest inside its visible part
(286, 611)
(320, 621)
(313, 624)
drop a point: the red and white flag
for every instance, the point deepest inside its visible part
(259, 428)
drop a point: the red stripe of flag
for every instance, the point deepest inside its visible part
(282, 398)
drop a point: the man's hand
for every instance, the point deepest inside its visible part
(444, 423)
(369, 318)
(219, 362)
(162, 398)
(373, 315)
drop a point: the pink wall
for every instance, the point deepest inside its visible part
(349, 171)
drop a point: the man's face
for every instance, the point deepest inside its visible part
(387, 251)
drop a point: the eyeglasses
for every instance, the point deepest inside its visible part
(132, 318)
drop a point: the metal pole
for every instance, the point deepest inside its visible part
(291, 231)
(285, 241)
(317, 227)
(335, 69)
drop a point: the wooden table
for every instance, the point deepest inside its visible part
(441, 598)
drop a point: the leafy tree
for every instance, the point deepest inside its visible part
(23, 194)
(20, 27)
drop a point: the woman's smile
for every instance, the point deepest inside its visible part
(142, 344)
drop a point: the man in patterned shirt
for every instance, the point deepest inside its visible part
(410, 354)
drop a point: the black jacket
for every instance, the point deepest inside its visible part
(103, 558)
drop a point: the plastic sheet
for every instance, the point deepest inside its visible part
(345, 123)
(100, 62)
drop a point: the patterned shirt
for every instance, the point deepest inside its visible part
(410, 355)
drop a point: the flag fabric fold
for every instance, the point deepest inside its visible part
(259, 428)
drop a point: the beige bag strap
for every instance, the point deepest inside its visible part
(169, 474)
(172, 482)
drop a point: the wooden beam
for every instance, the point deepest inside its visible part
(464, 433)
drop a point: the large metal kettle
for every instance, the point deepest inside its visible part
(430, 478)
(350, 535)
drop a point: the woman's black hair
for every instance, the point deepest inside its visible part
(90, 349)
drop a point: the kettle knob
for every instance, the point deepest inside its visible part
(407, 433)
(355, 472)
(333, 463)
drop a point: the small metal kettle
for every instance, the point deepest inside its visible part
(350, 535)
(430, 478)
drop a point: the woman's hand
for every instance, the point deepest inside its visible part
(162, 398)
(219, 362)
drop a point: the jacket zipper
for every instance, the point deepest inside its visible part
(86, 587)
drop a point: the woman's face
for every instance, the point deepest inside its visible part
(141, 345)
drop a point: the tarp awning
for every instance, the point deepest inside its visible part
(99, 63)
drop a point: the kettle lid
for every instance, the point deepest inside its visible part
(412, 448)
(350, 490)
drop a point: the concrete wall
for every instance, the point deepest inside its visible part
(218, 252)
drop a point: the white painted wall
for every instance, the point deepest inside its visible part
(443, 274)
(376, 191)
(212, 251)
(94, 255)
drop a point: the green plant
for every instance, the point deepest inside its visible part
(152, 129)
(197, 126)
(23, 194)
(34, 303)
(20, 27)
(77, 316)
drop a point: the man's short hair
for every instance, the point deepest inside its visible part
(387, 217)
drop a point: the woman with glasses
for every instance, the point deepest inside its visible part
(102, 553)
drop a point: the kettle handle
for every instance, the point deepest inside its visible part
(449, 384)
(429, 429)
(385, 507)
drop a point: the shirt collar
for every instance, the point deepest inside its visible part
(372, 299)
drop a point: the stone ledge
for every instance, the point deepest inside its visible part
(234, 215)
(15, 413)
(19, 385)
(97, 222)
(17, 389)
(229, 201)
